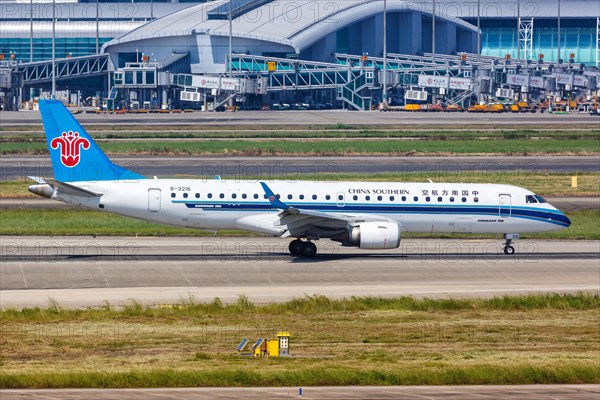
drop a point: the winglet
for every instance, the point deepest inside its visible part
(275, 202)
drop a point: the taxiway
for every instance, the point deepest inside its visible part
(84, 271)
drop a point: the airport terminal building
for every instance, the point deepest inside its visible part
(148, 47)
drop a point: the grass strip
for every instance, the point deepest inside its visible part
(479, 374)
(531, 339)
(189, 308)
(329, 148)
(545, 184)
(439, 134)
(76, 222)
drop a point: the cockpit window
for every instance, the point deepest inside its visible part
(540, 199)
(530, 199)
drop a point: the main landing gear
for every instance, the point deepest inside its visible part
(301, 248)
(509, 237)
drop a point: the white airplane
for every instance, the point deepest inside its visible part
(367, 215)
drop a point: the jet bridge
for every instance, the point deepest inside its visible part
(40, 72)
(350, 82)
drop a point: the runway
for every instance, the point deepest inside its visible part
(294, 168)
(523, 392)
(332, 117)
(82, 271)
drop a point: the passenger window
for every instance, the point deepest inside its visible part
(440, 199)
(476, 199)
(210, 195)
(290, 197)
(367, 198)
(340, 197)
(255, 196)
(464, 199)
(392, 198)
(301, 197)
(328, 197)
(403, 198)
(222, 196)
(265, 196)
(314, 197)
(185, 195)
(427, 199)
(278, 196)
(197, 195)
(244, 196)
(173, 195)
(415, 198)
(451, 199)
(379, 198)
(233, 196)
(355, 198)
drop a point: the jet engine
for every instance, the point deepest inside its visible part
(373, 235)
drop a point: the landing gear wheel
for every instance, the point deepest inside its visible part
(509, 250)
(296, 247)
(509, 237)
(309, 249)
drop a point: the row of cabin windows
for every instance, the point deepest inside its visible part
(327, 197)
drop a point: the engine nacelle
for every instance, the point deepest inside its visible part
(374, 235)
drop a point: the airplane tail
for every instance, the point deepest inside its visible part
(74, 154)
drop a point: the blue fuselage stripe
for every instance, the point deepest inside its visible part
(543, 215)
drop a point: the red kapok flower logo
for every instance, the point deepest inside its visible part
(70, 147)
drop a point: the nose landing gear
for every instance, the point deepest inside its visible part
(301, 248)
(508, 248)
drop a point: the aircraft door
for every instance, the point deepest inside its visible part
(505, 205)
(154, 200)
(341, 199)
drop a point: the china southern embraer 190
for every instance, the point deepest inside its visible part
(368, 215)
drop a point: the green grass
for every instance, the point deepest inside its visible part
(325, 132)
(534, 339)
(308, 305)
(248, 376)
(332, 148)
(75, 222)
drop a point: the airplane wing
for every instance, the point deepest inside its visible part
(302, 220)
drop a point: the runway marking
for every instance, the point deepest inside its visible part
(23, 275)
(104, 276)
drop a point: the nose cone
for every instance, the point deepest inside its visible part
(567, 221)
(561, 218)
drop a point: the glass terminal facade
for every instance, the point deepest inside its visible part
(578, 36)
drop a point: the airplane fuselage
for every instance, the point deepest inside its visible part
(418, 207)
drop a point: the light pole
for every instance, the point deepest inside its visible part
(53, 94)
(384, 96)
(97, 27)
(558, 59)
(478, 30)
(30, 30)
(229, 69)
(519, 29)
(433, 33)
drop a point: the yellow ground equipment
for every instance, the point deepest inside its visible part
(275, 347)
(521, 107)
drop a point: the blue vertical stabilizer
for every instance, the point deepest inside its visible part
(74, 154)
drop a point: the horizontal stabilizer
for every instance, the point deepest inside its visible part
(37, 179)
(69, 189)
